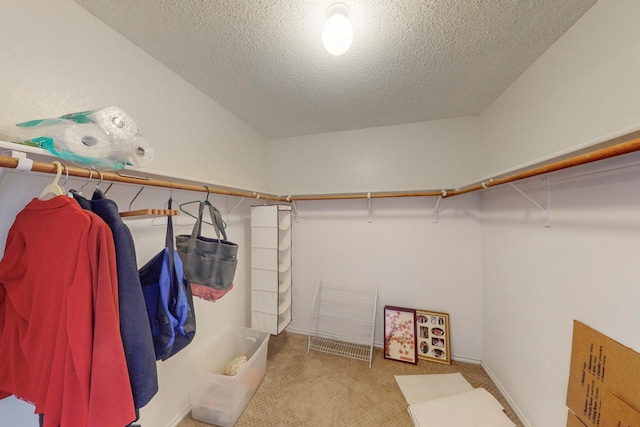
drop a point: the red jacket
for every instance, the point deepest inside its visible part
(60, 345)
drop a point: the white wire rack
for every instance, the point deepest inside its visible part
(342, 322)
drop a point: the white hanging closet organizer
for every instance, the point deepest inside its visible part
(342, 322)
(271, 267)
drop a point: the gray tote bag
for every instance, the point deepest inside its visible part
(207, 261)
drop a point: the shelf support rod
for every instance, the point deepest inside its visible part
(229, 212)
(526, 196)
(295, 209)
(546, 220)
(436, 209)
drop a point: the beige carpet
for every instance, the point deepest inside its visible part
(319, 389)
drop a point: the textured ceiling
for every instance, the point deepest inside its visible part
(410, 61)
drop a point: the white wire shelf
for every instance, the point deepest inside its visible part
(342, 322)
(341, 348)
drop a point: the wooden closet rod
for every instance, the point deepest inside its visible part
(12, 162)
(617, 149)
(426, 193)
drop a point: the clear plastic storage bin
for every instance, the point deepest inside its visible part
(220, 399)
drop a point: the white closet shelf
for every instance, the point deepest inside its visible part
(283, 267)
(283, 321)
(605, 148)
(284, 285)
(283, 246)
(42, 163)
(284, 227)
(6, 145)
(285, 304)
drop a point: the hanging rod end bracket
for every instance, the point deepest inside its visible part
(25, 164)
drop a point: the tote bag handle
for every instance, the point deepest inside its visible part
(216, 220)
(176, 290)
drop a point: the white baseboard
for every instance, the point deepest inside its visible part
(513, 405)
(181, 416)
(297, 331)
(466, 359)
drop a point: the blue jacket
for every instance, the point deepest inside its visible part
(134, 323)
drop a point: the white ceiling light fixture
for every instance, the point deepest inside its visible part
(337, 34)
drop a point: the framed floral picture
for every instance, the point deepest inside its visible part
(400, 334)
(433, 342)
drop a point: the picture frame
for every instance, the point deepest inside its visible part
(400, 334)
(433, 341)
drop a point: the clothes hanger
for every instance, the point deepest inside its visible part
(53, 189)
(73, 192)
(64, 184)
(88, 182)
(146, 213)
(160, 221)
(99, 182)
(66, 177)
(206, 202)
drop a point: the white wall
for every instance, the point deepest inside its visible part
(418, 156)
(581, 91)
(57, 58)
(536, 280)
(412, 261)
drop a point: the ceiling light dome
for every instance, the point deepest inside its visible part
(337, 34)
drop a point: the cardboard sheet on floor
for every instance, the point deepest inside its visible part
(420, 388)
(618, 413)
(475, 408)
(573, 420)
(603, 380)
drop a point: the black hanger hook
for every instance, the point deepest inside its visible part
(208, 192)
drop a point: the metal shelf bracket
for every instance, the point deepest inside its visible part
(546, 210)
(295, 209)
(229, 212)
(436, 209)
